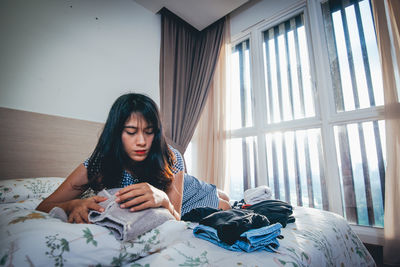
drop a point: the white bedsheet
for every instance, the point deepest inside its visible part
(33, 238)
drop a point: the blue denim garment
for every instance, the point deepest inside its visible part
(264, 238)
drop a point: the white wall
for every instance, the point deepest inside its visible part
(255, 11)
(73, 58)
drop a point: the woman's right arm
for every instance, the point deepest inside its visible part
(66, 197)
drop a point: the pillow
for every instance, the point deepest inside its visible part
(15, 190)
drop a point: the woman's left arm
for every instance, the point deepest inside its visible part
(175, 193)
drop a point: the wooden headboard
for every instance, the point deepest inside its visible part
(38, 145)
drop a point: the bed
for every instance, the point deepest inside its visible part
(54, 146)
(32, 238)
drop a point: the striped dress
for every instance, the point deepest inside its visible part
(196, 193)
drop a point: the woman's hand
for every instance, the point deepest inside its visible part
(142, 196)
(78, 209)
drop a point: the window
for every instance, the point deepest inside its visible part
(357, 85)
(353, 57)
(294, 158)
(306, 112)
(241, 88)
(287, 72)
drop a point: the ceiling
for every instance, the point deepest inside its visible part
(198, 13)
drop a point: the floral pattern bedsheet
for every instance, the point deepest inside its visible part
(32, 238)
(317, 238)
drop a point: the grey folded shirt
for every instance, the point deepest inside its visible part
(125, 225)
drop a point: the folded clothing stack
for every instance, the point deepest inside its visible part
(239, 230)
(255, 195)
(276, 211)
(124, 224)
(259, 200)
(263, 238)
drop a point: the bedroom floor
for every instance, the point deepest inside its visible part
(377, 253)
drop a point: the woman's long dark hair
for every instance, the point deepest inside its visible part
(109, 158)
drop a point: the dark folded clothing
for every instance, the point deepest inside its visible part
(230, 224)
(275, 210)
(195, 215)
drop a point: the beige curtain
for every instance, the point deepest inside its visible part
(209, 141)
(389, 56)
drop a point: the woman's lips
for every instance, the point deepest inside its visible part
(140, 151)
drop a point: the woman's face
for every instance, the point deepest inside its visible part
(137, 137)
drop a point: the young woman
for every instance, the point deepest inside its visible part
(131, 154)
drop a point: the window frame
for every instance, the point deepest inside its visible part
(323, 97)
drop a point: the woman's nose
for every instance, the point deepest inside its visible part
(140, 139)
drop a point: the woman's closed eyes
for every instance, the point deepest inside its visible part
(133, 130)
